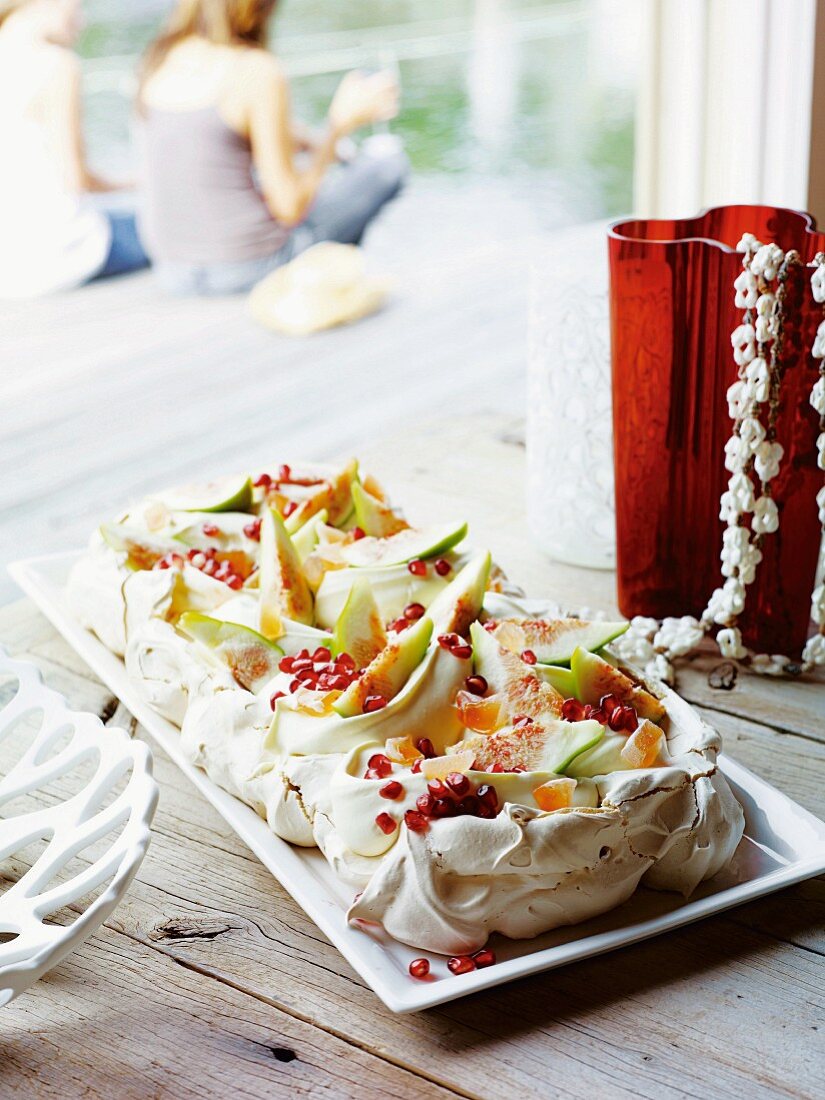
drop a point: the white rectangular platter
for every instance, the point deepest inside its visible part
(783, 844)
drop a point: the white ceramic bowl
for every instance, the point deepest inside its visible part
(79, 789)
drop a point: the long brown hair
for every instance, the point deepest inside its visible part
(224, 22)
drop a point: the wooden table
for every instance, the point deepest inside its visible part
(210, 981)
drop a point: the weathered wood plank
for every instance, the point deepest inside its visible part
(121, 1020)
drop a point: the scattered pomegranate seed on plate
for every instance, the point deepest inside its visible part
(420, 968)
(418, 567)
(443, 567)
(460, 964)
(483, 958)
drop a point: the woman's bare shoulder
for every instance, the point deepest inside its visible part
(259, 68)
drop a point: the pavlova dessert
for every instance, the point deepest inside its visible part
(469, 761)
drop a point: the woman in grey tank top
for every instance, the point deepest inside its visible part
(225, 201)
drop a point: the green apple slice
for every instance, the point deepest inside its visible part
(602, 759)
(251, 658)
(553, 640)
(387, 674)
(373, 516)
(404, 546)
(228, 494)
(393, 587)
(459, 604)
(306, 537)
(359, 630)
(282, 585)
(595, 678)
(562, 679)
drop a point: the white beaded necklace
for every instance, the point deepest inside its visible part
(751, 450)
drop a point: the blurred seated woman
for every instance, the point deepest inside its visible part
(51, 238)
(225, 200)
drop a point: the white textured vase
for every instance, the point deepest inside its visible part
(569, 430)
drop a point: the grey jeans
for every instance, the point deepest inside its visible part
(347, 201)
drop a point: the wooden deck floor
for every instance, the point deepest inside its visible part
(114, 389)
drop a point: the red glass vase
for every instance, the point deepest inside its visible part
(672, 313)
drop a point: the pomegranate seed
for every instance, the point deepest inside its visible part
(293, 686)
(572, 710)
(463, 652)
(497, 767)
(289, 508)
(608, 703)
(529, 657)
(321, 654)
(419, 968)
(425, 747)
(385, 823)
(443, 567)
(483, 958)
(522, 720)
(597, 715)
(381, 764)
(399, 624)
(274, 699)
(460, 964)
(211, 530)
(616, 718)
(302, 655)
(373, 703)
(262, 481)
(447, 641)
(458, 783)
(424, 802)
(417, 567)
(284, 473)
(414, 611)
(358, 533)
(391, 790)
(476, 685)
(415, 821)
(437, 788)
(416, 766)
(339, 683)
(371, 773)
(301, 664)
(305, 675)
(443, 807)
(488, 795)
(490, 625)
(343, 660)
(631, 721)
(469, 805)
(252, 530)
(486, 811)
(286, 664)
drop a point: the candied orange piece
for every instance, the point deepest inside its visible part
(555, 794)
(477, 714)
(318, 704)
(642, 747)
(439, 767)
(401, 750)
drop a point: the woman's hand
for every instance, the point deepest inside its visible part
(362, 99)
